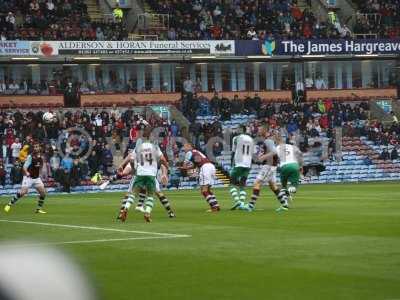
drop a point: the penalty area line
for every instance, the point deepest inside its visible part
(159, 234)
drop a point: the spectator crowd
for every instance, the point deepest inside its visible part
(69, 156)
(378, 18)
(198, 20)
(309, 121)
(54, 20)
(255, 20)
(106, 129)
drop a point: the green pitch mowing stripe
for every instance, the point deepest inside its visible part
(338, 241)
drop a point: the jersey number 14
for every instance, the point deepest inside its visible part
(146, 157)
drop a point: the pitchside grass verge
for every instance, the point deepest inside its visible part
(338, 242)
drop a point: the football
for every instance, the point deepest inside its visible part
(48, 117)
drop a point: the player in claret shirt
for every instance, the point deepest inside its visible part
(195, 159)
(31, 171)
(267, 173)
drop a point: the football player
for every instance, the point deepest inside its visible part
(242, 155)
(195, 159)
(126, 168)
(147, 157)
(267, 174)
(290, 164)
(31, 171)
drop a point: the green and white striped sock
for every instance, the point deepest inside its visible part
(149, 204)
(128, 201)
(235, 195)
(242, 196)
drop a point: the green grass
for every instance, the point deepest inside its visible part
(338, 242)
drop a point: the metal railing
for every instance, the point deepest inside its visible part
(371, 17)
(106, 18)
(365, 35)
(142, 37)
(149, 21)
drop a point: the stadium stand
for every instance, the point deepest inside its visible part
(362, 143)
(54, 20)
(196, 20)
(377, 18)
(62, 170)
(69, 20)
(241, 20)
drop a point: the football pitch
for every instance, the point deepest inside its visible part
(338, 242)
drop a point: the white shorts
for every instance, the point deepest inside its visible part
(28, 182)
(207, 174)
(267, 174)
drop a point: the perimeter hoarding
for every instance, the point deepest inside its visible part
(318, 47)
(51, 48)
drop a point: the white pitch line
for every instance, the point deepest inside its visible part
(96, 228)
(102, 241)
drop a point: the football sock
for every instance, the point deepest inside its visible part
(242, 195)
(115, 177)
(128, 201)
(165, 202)
(254, 197)
(41, 202)
(142, 198)
(213, 201)
(282, 196)
(149, 204)
(235, 195)
(210, 198)
(15, 199)
(124, 202)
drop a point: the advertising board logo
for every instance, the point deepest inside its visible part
(268, 47)
(42, 48)
(221, 47)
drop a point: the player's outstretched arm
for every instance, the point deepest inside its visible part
(164, 175)
(187, 163)
(123, 164)
(164, 162)
(268, 157)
